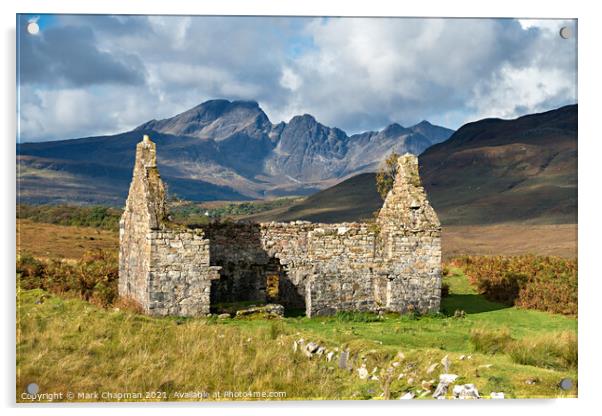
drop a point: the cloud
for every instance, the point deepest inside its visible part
(86, 75)
(68, 56)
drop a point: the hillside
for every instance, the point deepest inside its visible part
(490, 171)
(218, 150)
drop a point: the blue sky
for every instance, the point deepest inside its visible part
(85, 75)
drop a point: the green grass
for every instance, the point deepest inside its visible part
(69, 344)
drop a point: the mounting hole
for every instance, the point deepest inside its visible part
(32, 388)
(565, 32)
(33, 28)
(566, 384)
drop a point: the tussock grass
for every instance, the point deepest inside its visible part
(555, 351)
(490, 341)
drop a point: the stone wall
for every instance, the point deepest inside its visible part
(164, 268)
(393, 264)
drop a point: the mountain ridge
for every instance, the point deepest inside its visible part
(490, 171)
(232, 145)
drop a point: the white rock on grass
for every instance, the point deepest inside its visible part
(444, 381)
(408, 396)
(329, 356)
(362, 372)
(432, 368)
(446, 363)
(498, 395)
(466, 391)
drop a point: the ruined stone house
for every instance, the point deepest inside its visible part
(392, 264)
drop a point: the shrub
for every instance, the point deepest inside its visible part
(95, 216)
(92, 278)
(534, 282)
(386, 175)
(490, 341)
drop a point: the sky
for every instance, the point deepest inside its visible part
(87, 75)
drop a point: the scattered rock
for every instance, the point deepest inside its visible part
(444, 381)
(295, 346)
(458, 313)
(362, 372)
(466, 391)
(310, 349)
(427, 385)
(320, 351)
(432, 368)
(446, 363)
(495, 395)
(400, 356)
(408, 396)
(485, 365)
(531, 380)
(462, 357)
(400, 376)
(343, 359)
(223, 316)
(329, 356)
(374, 378)
(395, 364)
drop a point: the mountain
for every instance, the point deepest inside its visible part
(219, 149)
(489, 171)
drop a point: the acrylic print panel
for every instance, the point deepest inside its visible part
(295, 208)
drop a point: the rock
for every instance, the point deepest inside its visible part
(400, 356)
(223, 316)
(408, 396)
(448, 378)
(374, 378)
(531, 380)
(320, 351)
(343, 359)
(329, 356)
(432, 368)
(362, 372)
(462, 357)
(444, 381)
(295, 346)
(310, 349)
(495, 395)
(485, 365)
(427, 384)
(271, 310)
(400, 376)
(466, 391)
(446, 363)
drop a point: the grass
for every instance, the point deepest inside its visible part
(60, 241)
(69, 344)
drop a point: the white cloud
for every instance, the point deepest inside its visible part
(353, 73)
